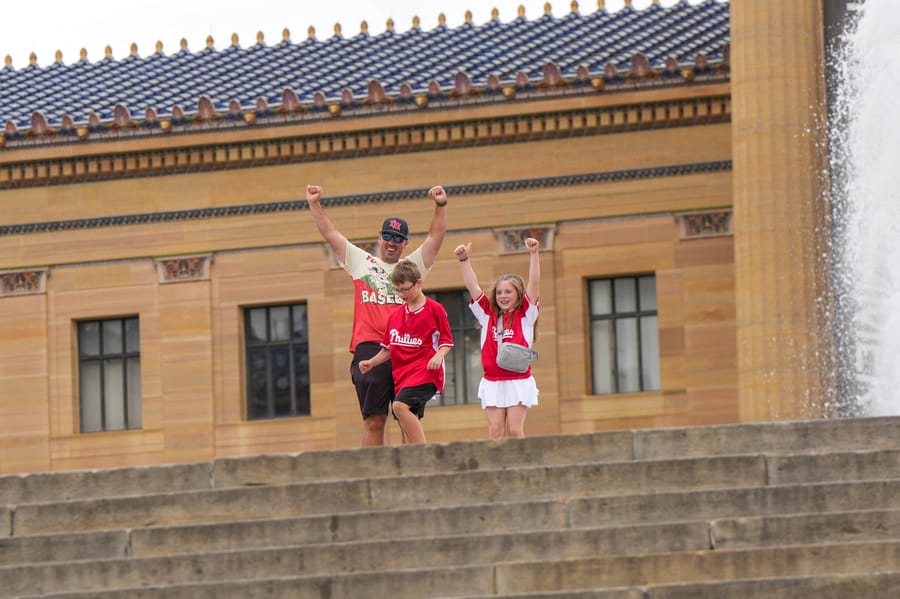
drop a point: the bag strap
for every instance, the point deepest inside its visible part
(499, 330)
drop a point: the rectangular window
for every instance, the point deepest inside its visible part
(463, 363)
(109, 374)
(277, 341)
(624, 334)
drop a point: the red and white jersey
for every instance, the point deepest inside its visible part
(373, 292)
(413, 337)
(518, 327)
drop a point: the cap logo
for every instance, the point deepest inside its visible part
(394, 224)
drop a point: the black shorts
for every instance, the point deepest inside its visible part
(375, 389)
(416, 398)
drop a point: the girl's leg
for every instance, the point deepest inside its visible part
(496, 418)
(515, 420)
(410, 425)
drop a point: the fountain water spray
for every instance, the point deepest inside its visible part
(865, 171)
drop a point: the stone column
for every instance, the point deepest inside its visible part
(777, 82)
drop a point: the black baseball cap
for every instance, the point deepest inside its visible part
(396, 226)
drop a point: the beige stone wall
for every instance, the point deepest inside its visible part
(779, 206)
(191, 331)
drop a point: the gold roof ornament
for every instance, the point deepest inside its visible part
(311, 33)
(495, 14)
(133, 49)
(547, 8)
(159, 47)
(7, 61)
(337, 30)
(469, 17)
(574, 6)
(83, 54)
(627, 3)
(58, 56)
(107, 52)
(32, 58)
(601, 5)
(415, 22)
(183, 44)
(260, 38)
(285, 35)
(364, 28)
(390, 24)
(234, 39)
(442, 20)
(521, 11)
(209, 41)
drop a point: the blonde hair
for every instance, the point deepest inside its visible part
(519, 285)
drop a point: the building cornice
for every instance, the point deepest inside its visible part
(376, 136)
(368, 198)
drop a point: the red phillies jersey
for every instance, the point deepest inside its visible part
(413, 338)
(518, 327)
(373, 293)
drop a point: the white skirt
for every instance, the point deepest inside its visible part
(504, 394)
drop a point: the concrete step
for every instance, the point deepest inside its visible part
(561, 483)
(806, 436)
(846, 435)
(737, 530)
(459, 550)
(859, 434)
(65, 547)
(876, 585)
(660, 573)
(880, 585)
(114, 482)
(676, 506)
(462, 488)
(725, 528)
(627, 514)
(698, 566)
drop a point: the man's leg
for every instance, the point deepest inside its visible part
(375, 391)
(373, 430)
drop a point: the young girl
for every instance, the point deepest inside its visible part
(505, 395)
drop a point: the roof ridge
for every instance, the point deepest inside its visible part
(389, 28)
(337, 72)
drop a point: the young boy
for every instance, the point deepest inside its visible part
(416, 340)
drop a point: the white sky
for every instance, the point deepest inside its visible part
(44, 28)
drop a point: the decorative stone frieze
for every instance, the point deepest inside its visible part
(183, 268)
(512, 239)
(704, 224)
(23, 282)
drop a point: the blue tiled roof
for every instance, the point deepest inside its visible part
(415, 57)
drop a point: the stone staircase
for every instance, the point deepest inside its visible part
(777, 510)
